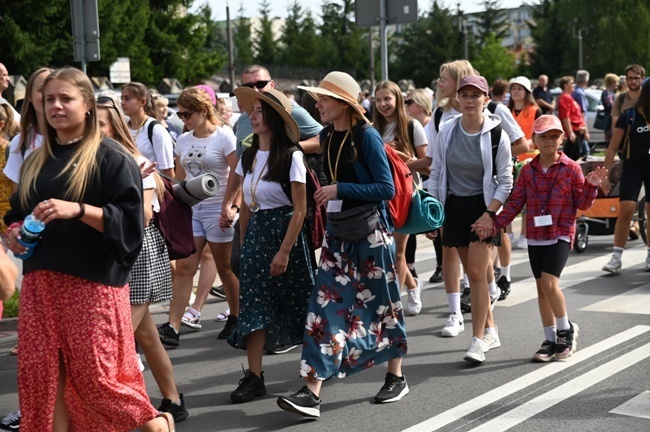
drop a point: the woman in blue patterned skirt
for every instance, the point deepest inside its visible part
(276, 276)
(355, 318)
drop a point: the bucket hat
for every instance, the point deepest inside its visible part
(522, 81)
(276, 100)
(339, 85)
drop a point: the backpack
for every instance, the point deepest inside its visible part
(624, 153)
(150, 131)
(316, 217)
(174, 221)
(399, 205)
(495, 134)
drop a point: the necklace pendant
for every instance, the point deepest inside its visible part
(255, 207)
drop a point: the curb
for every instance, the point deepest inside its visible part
(9, 324)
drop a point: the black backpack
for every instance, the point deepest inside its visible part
(495, 134)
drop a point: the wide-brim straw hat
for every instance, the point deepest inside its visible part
(276, 100)
(339, 85)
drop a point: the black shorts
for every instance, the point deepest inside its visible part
(635, 173)
(549, 259)
(460, 214)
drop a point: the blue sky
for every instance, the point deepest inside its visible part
(279, 7)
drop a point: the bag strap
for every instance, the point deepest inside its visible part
(411, 130)
(621, 99)
(150, 130)
(492, 106)
(437, 116)
(495, 138)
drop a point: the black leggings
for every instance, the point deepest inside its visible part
(549, 259)
(411, 246)
(437, 245)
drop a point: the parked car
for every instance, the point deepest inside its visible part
(593, 106)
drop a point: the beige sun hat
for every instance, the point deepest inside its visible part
(339, 85)
(276, 100)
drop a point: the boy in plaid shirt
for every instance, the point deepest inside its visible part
(552, 187)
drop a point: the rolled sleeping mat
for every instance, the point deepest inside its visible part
(196, 189)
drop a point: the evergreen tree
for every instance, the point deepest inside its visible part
(291, 36)
(242, 40)
(264, 42)
(343, 43)
(546, 57)
(492, 21)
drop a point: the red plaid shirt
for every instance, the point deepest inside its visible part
(560, 192)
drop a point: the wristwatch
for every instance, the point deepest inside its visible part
(236, 206)
(491, 214)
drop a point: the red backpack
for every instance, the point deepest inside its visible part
(399, 205)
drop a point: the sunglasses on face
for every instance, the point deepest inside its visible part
(409, 102)
(257, 84)
(184, 115)
(106, 101)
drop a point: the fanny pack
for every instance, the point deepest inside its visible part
(356, 223)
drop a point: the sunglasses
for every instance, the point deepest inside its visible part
(107, 101)
(184, 115)
(257, 84)
(409, 102)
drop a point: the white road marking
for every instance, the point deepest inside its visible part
(638, 406)
(526, 290)
(635, 301)
(544, 372)
(564, 392)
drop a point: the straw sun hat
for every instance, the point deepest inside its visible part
(276, 100)
(339, 85)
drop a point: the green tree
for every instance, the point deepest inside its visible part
(264, 41)
(291, 36)
(492, 21)
(494, 61)
(436, 35)
(242, 40)
(546, 57)
(343, 43)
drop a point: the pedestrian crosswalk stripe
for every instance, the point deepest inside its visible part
(635, 301)
(543, 373)
(638, 406)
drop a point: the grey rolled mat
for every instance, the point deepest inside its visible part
(196, 189)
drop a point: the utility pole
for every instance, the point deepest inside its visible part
(384, 43)
(231, 56)
(579, 37)
(372, 60)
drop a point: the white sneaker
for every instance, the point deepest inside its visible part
(491, 341)
(647, 264)
(614, 265)
(140, 364)
(454, 325)
(476, 351)
(522, 243)
(414, 303)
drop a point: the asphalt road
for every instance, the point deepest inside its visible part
(605, 386)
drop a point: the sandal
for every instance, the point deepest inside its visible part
(14, 351)
(223, 316)
(170, 421)
(192, 319)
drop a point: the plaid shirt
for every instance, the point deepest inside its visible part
(560, 192)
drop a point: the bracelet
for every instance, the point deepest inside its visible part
(12, 226)
(491, 213)
(82, 212)
(235, 206)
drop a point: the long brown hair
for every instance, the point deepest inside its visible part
(28, 116)
(10, 129)
(141, 91)
(83, 160)
(404, 143)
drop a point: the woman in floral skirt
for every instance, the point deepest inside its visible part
(355, 318)
(275, 270)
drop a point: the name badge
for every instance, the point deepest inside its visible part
(541, 221)
(334, 206)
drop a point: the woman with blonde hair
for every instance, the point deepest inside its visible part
(395, 128)
(207, 147)
(31, 125)
(161, 107)
(77, 368)
(355, 318)
(8, 130)
(607, 98)
(151, 278)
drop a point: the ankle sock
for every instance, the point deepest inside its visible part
(465, 279)
(563, 323)
(618, 251)
(454, 303)
(492, 287)
(505, 271)
(491, 330)
(550, 333)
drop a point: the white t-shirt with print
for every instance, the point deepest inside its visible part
(200, 156)
(16, 158)
(270, 195)
(162, 149)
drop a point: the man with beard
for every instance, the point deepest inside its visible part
(634, 76)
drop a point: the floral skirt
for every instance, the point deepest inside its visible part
(277, 304)
(86, 327)
(355, 318)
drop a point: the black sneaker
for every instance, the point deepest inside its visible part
(546, 353)
(168, 336)
(466, 300)
(218, 292)
(249, 387)
(179, 412)
(566, 342)
(394, 389)
(303, 403)
(437, 276)
(231, 325)
(504, 284)
(11, 421)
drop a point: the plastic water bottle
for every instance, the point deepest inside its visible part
(30, 234)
